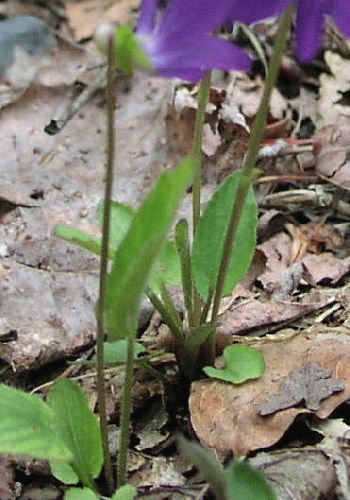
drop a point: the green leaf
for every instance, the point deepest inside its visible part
(243, 482)
(63, 472)
(78, 428)
(116, 352)
(129, 52)
(126, 492)
(242, 363)
(210, 237)
(168, 267)
(137, 254)
(121, 218)
(207, 464)
(27, 427)
(183, 249)
(78, 237)
(80, 494)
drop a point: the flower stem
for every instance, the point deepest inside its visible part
(203, 98)
(101, 394)
(249, 163)
(125, 414)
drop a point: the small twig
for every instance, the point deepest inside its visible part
(58, 124)
(271, 179)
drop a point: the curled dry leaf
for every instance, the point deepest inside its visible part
(225, 417)
(256, 314)
(299, 474)
(332, 152)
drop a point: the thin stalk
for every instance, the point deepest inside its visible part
(182, 242)
(170, 306)
(249, 163)
(203, 98)
(125, 414)
(167, 317)
(206, 307)
(110, 153)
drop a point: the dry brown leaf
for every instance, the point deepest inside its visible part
(331, 89)
(332, 151)
(7, 489)
(324, 268)
(322, 237)
(291, 257)
(48, 287)
(225, 416)
(85, 17)
(157, 472)
(255, 314)
(306, 385)
(298, 474)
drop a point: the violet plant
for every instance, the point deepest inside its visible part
(178, 43)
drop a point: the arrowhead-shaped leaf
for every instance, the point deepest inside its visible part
(210, 237)
(167, 268)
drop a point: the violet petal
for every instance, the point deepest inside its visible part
(147, 17)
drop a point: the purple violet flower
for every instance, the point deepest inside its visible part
(179, 42)
(250, 11)
(310, 22)
(310, 19)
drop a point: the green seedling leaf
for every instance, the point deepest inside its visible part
(27, 427)
(242, 363)
(63, 472)
(80, 494)
(121, 218)
(137, 254)
(116, 352)
(78, 428)
(244, 482)
(78, 237)
(207, 464)
(210, 237)
(129, 53)
(126, 492)
(167, 268)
